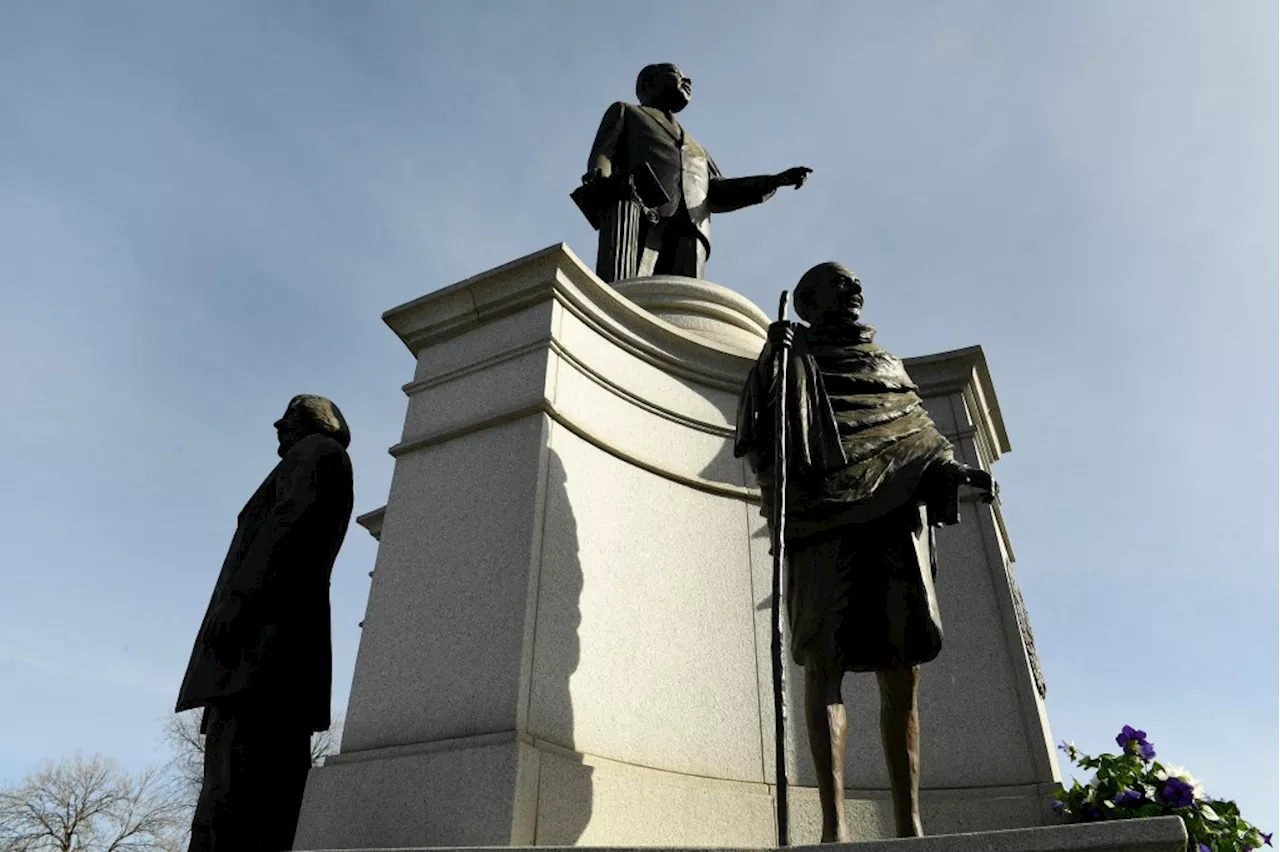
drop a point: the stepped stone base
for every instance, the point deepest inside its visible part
(1161, 834)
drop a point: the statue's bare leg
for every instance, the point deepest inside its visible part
(825, 716)
(900, 730)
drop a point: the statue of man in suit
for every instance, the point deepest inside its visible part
(674, 237)
(869, 478)
(262, 663)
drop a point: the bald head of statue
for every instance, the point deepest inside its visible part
(829, 294)
(663, 86)
(308, 414)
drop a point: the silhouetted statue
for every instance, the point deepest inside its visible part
(650, 188)
(262, 663)
(869, 478)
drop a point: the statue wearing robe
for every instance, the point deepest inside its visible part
(869, 478)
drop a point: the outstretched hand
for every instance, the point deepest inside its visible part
(794, 176)
(983, 481)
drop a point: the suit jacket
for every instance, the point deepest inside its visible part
(630, 134)
(271, 601)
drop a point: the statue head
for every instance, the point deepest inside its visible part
(664, 87)
(829, 294)
(309, 414)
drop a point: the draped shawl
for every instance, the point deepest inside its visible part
(845, 393)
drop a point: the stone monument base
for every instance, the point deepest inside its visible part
(1159, 834)
(567, 635)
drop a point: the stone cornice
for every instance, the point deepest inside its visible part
(556, 273)
(964, 371)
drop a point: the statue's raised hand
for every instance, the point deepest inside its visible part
(794, 176)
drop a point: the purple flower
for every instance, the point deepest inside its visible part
(1128, 732)
(1127, 795)
(1134, 741)
(1266, 838)
(1203, 847)
(1057, 806)
(1177, 792)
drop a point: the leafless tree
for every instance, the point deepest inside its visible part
(91, 805)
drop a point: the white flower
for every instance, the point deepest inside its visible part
(1182, 774)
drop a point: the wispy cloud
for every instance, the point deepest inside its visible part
(98, 671)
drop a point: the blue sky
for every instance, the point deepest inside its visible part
(205, 208)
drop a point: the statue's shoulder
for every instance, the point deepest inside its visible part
(649, 115)
(621, 109)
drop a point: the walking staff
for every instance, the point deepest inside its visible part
(784, 424)
(779, 566)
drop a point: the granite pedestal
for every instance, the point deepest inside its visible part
(567, 634)
(1158, 834)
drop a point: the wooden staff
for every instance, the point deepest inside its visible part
(779, 566)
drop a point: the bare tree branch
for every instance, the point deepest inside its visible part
(89, 805)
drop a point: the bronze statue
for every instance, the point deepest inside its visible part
(262, 663)
(654, 215)
(869, 477)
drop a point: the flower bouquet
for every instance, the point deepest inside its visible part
(1132, 784)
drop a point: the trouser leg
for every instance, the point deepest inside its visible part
(289, 781)
(278, 757)
(688, 256)
(220, 811)
(671, 247)
(214, 786)
(256, 767)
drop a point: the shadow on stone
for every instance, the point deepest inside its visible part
(564, 780)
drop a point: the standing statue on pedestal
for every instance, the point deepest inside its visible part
(262, 664)
(650, 188)
(869, 477)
